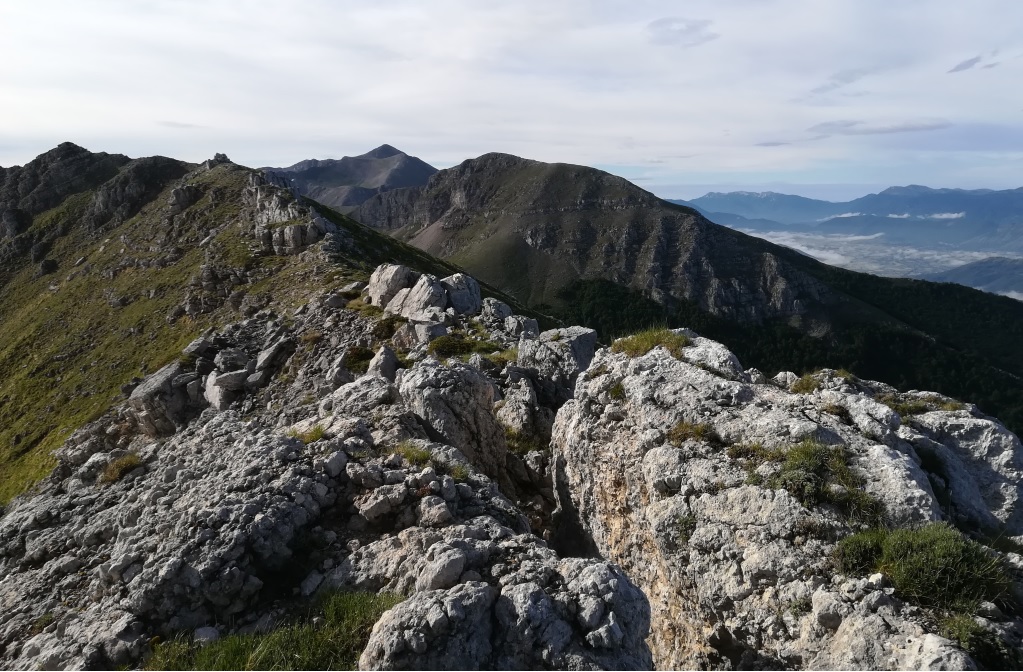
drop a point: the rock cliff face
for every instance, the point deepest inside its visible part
(663, 460)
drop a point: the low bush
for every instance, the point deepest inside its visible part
(336, 645)
(617, 391)
(643, 342)
(119, 468)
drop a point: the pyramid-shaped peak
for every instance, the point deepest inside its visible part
(381, 152)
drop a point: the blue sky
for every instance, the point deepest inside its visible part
(830, 99)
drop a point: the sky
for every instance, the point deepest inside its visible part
(823, 98)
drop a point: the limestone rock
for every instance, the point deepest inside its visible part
(558, 356)
(386, 281)
(463, 293)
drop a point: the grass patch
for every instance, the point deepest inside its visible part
(366, 309)
(503, 358)
(816, 474)
(685, 431)
(521, 443)
(840, 412)
(617, 391)
(357, 358)
(686, 526)
(120, 468)
(336, 645)
(41, 623)
(456, 345)
(311, 338)
(755, 453)
(805, 385)
(314, 434)
(904, 406)
(413, 454)
(643, 342)
(933, 566)
(986, 647)
(459, 472)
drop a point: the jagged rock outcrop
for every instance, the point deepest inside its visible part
(252, 467)
(283, 224)
(657, 461)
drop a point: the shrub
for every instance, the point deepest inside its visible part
(643, 342)
(336, 645)
(119, 468)
(617, 391)
(413, 454)
(684, 431)
(933, 566)
(387, 326)
(459, 472)
(805, 385)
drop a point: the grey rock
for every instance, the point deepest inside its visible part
(463, 293)
(386, 281)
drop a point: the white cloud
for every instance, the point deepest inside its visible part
(947, 215)
(841, 216)
(717, 95)
(904, 215)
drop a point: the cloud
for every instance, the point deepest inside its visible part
(680, 32)
(904, 215)
(773, 144)
(178, 124)
(842, 78)
(856, 127)
(966, 65)
(947, 215)
(843, 215)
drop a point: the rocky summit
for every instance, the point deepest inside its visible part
(528, 500)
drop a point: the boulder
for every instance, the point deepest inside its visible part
(457, 402)
(386, 281)
(423, 302)
(557, 357)
(463, 293)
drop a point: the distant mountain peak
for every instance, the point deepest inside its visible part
(382, 152)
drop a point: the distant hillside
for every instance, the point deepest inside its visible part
(996, 274)
(979, 219)
(598, 250)
(346, 182)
